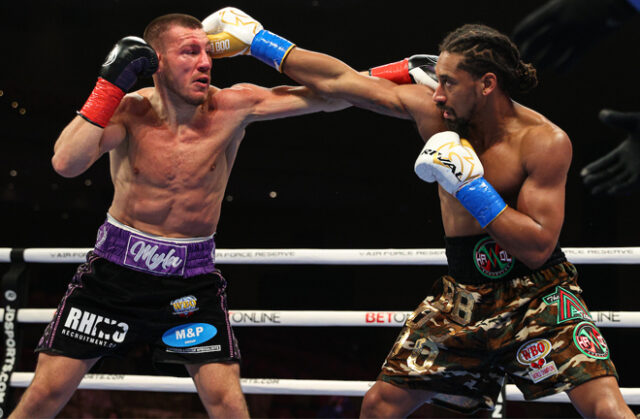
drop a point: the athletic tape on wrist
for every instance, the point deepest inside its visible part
(397, 72)
(102, 103)
(270, 48)
(635, 4)
(481, 200)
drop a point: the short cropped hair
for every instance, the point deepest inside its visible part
(485, 50)
(158, 26)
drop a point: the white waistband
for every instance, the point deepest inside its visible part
(118, 224)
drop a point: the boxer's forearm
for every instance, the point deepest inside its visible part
(333, 78)
(526, 239)
(77, 147)
(321, 72)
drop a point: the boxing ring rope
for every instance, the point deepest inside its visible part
(266, 386)
(577, 255)
(586, 255)
(306, 318)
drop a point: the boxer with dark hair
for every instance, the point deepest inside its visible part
(151, 277)
(510, 303)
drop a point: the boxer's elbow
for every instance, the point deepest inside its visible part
(536, 256)
(64, 166)
(533, 262)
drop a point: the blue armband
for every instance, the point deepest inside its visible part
(270, 48)
(635, 4)
(481, 200)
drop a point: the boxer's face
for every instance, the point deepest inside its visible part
(185, 64)
(457, 92)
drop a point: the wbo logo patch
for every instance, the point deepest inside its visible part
(491, 260)
(189, 334)
(588, 339)
(532, 354)
(185, 306)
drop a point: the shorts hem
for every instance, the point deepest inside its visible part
(552, 391)
(196, 361)
(58, 352)
(480, 402)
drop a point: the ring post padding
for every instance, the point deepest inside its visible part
(14, 290)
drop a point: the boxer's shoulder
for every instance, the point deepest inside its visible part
(536, 132)
(237, 96)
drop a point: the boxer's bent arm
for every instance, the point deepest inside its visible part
(285, 101)
(331, 77)
(81, 143)
(531, 232)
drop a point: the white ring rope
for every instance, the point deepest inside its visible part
(616, 255)
(265, 386)
(578, 255)
(328, 318)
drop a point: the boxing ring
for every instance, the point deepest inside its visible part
(13, 315)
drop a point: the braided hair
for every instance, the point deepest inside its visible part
(486, 50)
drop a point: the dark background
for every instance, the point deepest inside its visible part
(343, 180)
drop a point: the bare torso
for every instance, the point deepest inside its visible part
(172, 183)
(504, 162)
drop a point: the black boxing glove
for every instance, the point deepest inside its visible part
(617, 172)
(130, 57)
(561, 31)
(417, 69)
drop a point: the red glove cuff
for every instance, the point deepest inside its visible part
(396, 72)
(102, 103)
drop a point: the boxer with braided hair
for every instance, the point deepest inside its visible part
(486, 50)
(510, 303)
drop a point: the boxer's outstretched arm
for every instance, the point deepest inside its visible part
(285, 101)
(233, 32)
(331, 77)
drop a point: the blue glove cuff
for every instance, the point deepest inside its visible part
(481, 200)
(270, 48)
(635, 4)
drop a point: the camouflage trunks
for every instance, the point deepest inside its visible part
(462, 340)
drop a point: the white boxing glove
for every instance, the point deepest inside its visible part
(452, 162)
(233, 32)
(448, 160)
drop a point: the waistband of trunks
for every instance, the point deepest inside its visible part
(479, 259)
(156, 255)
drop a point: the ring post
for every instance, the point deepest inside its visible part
(14, 290)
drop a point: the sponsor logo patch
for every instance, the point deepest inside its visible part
(196, 350)
(185, 306)
(532, 354)
(94, 329)
(569, 306)
(547, 370)
(155, 256)
(588, 339)
(491, 260)
(189, 334)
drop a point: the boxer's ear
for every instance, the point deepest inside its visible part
(489, 82)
